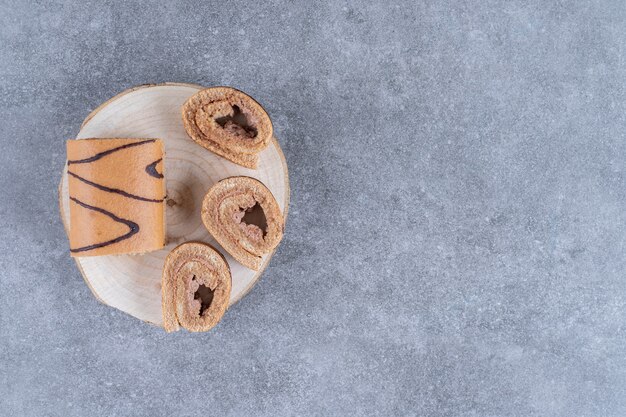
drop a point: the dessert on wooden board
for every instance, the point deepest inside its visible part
(117, 196)
(245, 219)
(229, 123)
(195, 287)
(112, 200)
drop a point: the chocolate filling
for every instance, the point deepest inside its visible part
(205, 295)
(256, 216)
(237, 123)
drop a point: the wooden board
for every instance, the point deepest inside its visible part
(132, 283)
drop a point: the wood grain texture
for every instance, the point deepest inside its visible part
(132, 283)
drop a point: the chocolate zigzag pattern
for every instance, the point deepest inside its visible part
(150, 169)
(102, 154)
(133, 227)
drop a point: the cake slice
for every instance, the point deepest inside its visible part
(229, 123)
(195, 287)
(244, 217)
(117, 196)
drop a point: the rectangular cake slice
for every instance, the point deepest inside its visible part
(117, 196)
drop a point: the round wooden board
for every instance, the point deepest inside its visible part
(132, 283)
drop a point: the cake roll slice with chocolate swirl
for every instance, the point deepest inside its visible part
(195, 287)
(229, 123)
(244, 217)
(117, 196)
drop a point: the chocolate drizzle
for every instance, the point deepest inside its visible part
(130, 179)
(134, 227)
(151, 169)
(114, 190)
(110, 151)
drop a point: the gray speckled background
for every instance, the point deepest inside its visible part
(456, 240)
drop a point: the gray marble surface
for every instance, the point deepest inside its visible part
(456, 238)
